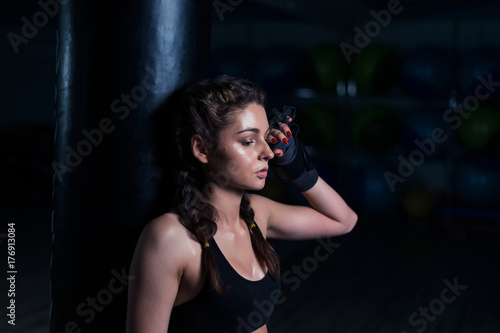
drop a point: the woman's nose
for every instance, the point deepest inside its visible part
(267, 154)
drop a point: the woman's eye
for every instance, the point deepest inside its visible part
(247, 143)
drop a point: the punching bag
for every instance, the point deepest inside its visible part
(118, 62)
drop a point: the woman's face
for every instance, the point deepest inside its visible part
(240, 160)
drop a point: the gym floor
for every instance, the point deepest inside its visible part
(371, 280)
(394, 281)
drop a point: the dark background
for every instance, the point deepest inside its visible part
(441, 223)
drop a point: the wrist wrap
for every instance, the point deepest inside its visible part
(295, 166)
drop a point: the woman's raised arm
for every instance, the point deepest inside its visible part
(329, 215)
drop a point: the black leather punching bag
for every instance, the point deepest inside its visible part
(118, 62)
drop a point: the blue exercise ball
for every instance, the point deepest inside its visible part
(425, 130)
(427, 73)
(480, 63)
(477, 181)
(371, 191)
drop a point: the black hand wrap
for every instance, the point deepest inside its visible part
(294, 166)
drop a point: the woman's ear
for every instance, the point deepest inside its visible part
(199, 148)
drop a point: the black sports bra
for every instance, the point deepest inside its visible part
(244, 308)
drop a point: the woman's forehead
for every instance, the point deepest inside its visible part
(252, 116)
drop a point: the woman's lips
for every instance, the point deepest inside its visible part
(262, 173)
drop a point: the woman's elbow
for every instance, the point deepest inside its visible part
(350, 221)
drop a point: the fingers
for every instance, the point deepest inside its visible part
(278, 152)
(280, 134)
(285, 129)
(275, 136)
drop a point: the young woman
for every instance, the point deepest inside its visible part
(206, 266)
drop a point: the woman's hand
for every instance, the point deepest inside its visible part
(280, 135)
(291, 163)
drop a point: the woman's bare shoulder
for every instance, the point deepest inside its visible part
(166, 231)
(259, 203)
(166, 222)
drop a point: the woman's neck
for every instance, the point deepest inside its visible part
(227, 202)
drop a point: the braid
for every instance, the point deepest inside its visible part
(198, 216)
(263, 250)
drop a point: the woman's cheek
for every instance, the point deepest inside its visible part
(234, 167)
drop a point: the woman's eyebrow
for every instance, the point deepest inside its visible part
(250, 129)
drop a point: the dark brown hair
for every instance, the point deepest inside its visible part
(206, 108)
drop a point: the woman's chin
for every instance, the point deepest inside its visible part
(257, 187)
